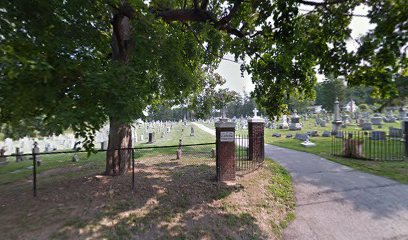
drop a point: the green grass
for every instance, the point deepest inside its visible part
(23, 170)
(179, 131)
(396, 170)
(14, 171)
(282, 190)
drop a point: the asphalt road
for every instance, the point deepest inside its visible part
(336, 202)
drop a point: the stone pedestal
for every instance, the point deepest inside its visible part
(256, 150)
(377, 119)
(225, 150)
(151, 138)
(336, 125)
(295, 122)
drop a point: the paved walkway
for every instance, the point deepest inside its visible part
(337, 202)
(205, 129)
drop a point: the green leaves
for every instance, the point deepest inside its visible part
(55, 56)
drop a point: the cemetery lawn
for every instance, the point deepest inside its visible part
(61, 165)
(172, 200)
(396, 170)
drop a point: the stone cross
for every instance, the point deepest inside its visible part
(255, 112)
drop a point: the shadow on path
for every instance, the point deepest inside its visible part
(337, 202)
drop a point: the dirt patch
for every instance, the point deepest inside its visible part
(172, 200)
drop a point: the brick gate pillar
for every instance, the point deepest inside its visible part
(225, 150)
(256, 149)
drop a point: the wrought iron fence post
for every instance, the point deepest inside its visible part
(179, 150)
(133, 169)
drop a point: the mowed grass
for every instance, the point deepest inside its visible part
(396, 170)
(173, 199)
(95, 162)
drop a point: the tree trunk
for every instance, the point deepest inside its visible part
(120, 137)
(120, 134)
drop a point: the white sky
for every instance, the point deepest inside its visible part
(232, 73)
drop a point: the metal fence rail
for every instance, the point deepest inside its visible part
(247, 158)
(188, 154)
(376, 145)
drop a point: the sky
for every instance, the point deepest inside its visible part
(232, 73)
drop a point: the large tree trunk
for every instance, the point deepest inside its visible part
(120, 134)
(120, 137)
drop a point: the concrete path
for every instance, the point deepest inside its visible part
(336, 202)
(205, 129)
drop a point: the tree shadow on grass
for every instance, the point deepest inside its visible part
(172, 200)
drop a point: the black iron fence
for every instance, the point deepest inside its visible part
(52, 167)
(41, 169)
(249, 153)
(370, 145)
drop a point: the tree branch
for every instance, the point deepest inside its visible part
(198, 15)
(204, 4)
(224, 20)
(325, 3)
(195, 4)
(186, 15)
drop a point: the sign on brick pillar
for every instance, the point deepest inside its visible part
(256, 149)
(225, 150)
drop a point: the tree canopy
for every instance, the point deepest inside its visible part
(57, 61)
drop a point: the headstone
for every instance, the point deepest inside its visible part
(284, 124)
(389, 118)
(104, 145)
(289, 136)
(151, 138)
(345, 119)
(321, 122)
(9, 146)
(366, 126)
(3, 158)
(402, 114)
(192, 134)
(339, 135)
(295, 122)
(135, 139)
(301, 136)
(326, 134)
(19, 157)
(75, 158)
(395, 132)
(36, 151)
(377, 119)
(377, 135)
(314, 133)
(308, 143)
(276, 135)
